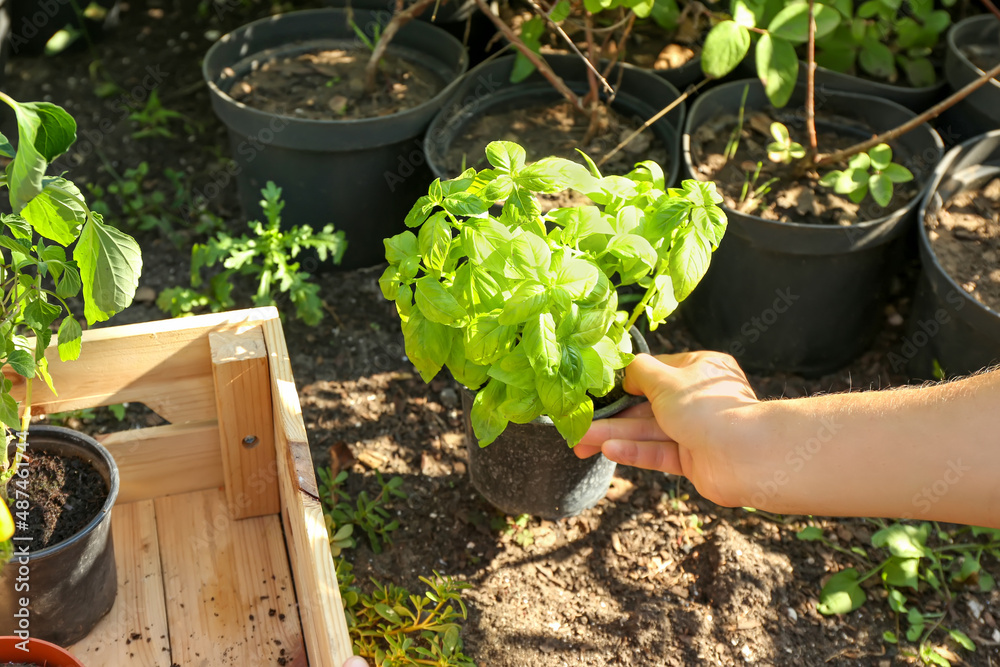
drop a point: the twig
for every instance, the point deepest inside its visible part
(399, 19)
(993, 8)
(566, 38)
(536, 60)
(621, 43)
(659, 114)
(933, 112)
(811, 81)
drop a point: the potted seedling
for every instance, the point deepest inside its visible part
(819, 198)
(60, 484)
(954, 325)
(523, 307)
(330, 105)
(887, 48)
(557, 103)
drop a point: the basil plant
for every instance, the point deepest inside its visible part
(523, 306)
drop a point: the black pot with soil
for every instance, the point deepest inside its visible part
(914, 98)
(487, 106)
(973, 43)
(955, 320)
(529, 469)
(64, 564)
(806, 294)
(290, 89)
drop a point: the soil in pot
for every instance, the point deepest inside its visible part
(648, 45)
(793, 196)
(983, 56)
(556, 129)
(64, 494)
(965, 237)
(328, 84)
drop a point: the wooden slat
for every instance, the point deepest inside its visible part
(320, 607)
(135, 630)
(163, 460)
(165, 365)
(230, 597)
(246, 424)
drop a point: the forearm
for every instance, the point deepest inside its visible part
(923, 453)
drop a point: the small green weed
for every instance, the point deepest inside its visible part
(909, 565)
(153, 120)
(85, 414)
(368, 515)
(514, 527)
(390, 625)
(265, 256)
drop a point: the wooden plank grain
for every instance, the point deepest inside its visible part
(134, 632)
(229, 591)
(246, 423)
(321, 609)
(163, 460)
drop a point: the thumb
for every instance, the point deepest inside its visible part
(356, 661)
(650, 377)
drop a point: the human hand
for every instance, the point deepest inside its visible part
(356, 661)
(698, 423)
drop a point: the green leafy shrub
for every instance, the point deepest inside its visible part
(524, 306)
(266, 257)
(37, 277)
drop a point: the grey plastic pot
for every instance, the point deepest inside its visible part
(947, 324)
(529, 469)
(487, 89)
(361, 175)
(980, 111)
(799, 297)
(71, 585)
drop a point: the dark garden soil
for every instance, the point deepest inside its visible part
(652, 576)
(647, 46)
(966, 240)
(329, 85)
(64, 494)
(793, 197)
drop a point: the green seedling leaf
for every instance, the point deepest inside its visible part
(897, 173)
(902, 572)
(792, 22)
(22, 362)
(880, 156)
(881, 188)
(890, 636)
(810, 534)
(70, 337)
(505, 156)
(842, 593)
(777, 68)
(903, 540)
(725, 47)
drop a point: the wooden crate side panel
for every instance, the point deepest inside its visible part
(229, 591)
(164, 460)
(246, 421)
(139, 608)
(165, 365)
(321, 610)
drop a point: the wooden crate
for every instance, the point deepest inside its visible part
(222, 551)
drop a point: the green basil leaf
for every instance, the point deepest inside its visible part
(486, 417)
(436, 303)
(688, 261)
(529, 301)
(428, 344)
(486, 340)
(574, 425)
(540, 346)
(434, 241)
(506, 156)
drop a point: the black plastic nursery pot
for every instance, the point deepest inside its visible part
(361, 175)
(799, 297)
(487, 89)
(947, 324)
(980, 111)
(916, 99)
(529, 469)
(59, 593)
